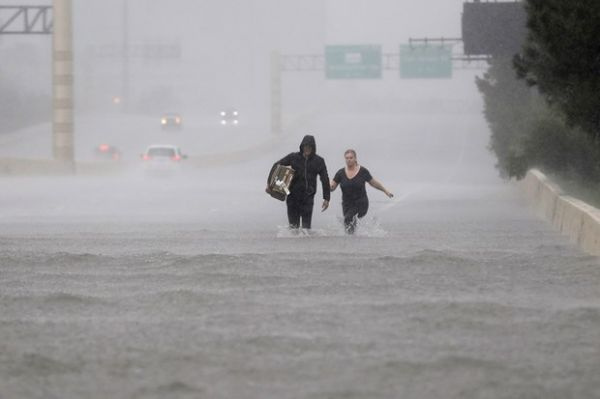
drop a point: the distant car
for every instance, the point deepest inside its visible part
(171, 120)
(163, 158)
(229, 116)
(108, 152)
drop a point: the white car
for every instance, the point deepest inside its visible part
(163, 158)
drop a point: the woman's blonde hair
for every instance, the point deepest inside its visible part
(350, 151)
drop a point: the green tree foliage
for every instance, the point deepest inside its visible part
(562, 58)
(562, 150)
(543, 107)
(526, 132)
(508, 109)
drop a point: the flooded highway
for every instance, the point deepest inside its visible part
(191, 286)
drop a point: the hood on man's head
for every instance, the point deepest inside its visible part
(309, 140)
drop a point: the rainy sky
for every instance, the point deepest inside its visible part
(223, 46)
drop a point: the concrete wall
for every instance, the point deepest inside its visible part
(572, 217)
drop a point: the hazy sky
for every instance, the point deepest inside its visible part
(389, 22)
(224, 44)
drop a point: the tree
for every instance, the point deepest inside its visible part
(561, 56)
(509, 107)
(526, 132)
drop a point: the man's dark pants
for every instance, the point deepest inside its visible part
(299, 211)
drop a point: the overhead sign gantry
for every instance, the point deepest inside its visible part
(25, 20)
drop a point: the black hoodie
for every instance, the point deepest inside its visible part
(304, 183)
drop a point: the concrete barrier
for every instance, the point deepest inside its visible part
(572, 217)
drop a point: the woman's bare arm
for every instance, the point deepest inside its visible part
(376, 184)
(333, 184)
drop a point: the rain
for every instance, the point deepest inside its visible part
(128, 276)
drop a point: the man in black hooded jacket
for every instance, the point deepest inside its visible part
(303, 187)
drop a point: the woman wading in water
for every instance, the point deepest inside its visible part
(352, 179)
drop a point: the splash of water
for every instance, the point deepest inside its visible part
(369, 227)
(365, 227)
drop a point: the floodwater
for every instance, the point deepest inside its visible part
(190, 286)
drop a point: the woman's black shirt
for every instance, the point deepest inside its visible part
(353, 189)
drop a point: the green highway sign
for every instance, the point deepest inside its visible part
(353, 62)
(425, 61)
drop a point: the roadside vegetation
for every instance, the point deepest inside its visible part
(543, 104)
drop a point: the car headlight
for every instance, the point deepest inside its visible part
(223, 122)
(235, 113)
(222, 113)
(163, 121)
(235, 122)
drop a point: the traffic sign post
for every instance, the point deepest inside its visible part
(353, 62)
(425, 62)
